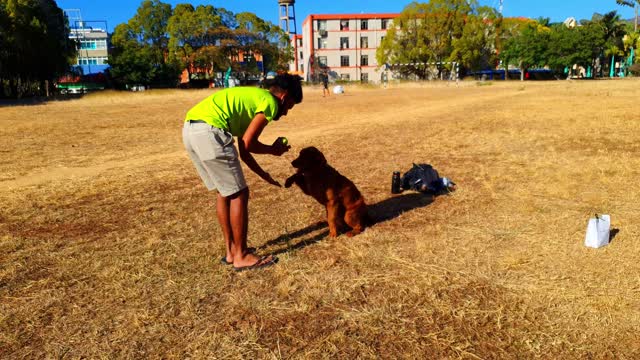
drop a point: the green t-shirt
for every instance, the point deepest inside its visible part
(233, 109)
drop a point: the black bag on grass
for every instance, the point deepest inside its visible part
(422, 178)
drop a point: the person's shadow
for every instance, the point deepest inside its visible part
(382, 211)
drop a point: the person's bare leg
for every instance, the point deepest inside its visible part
(239, 219)
(222, 208)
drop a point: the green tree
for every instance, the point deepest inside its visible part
(4, 39)
(612, 26)
(28, 29)
(613, 51)
(149, 23)
(631, 41)
(142, 44)
(507, 29)
(158, 42)
(211, 39)
(424, 33)
(188, 29)
(476, 48)
(527, 49)
(131, 62)
(614, 31)
(263, 37)
(580, 46)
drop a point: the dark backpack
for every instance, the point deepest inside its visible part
(422, 178)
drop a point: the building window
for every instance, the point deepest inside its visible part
(344, 43)
(385, 24)
(364, 42)
(322, 61)
(344, 25)
(322, 43)
(301, 68)
(364, 24)
(344, 60)
(322, 24)
(364, 60)
(92, 60)
(93, 44)
(364, 77)
(299, 42)
(345, 77)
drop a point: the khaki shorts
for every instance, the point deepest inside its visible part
(214, 156)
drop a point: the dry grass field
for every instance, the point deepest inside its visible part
(109, 247)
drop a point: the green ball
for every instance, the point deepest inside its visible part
(284, 141)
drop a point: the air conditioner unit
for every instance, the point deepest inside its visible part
(322, 32)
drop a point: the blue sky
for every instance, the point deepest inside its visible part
(115, 12)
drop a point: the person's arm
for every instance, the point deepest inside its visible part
(253, 132)
(251, 162)
(249, 143)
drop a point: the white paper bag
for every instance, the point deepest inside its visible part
(598, 231)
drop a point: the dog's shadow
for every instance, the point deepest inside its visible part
(393, 207)
(379, 212)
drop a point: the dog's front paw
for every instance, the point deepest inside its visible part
(352, 233)
(290, 180)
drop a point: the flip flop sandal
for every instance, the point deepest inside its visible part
(258, 265)
(224, 261)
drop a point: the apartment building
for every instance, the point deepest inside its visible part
(92, 41)
(345, 44)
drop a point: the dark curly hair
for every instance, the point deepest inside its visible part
(288, 82)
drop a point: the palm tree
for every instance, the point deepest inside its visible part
(613, 26)
(631, 42)
(633, 4)
(613, 51)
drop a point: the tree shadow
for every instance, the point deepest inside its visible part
(379, 212)
(38, 100)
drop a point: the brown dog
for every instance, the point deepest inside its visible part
(344, 203)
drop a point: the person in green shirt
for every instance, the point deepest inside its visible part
(208, 136)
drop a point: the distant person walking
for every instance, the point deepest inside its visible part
(208, 134)
(324, 77)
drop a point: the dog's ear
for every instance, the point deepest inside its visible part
(317, 157)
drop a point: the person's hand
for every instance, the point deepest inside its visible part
(272, 181)
(279, 147)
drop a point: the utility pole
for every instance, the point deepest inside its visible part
(635, 27)
(506, 63)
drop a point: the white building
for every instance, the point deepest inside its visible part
(92, 40)
(92, 45)
(345, 44)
